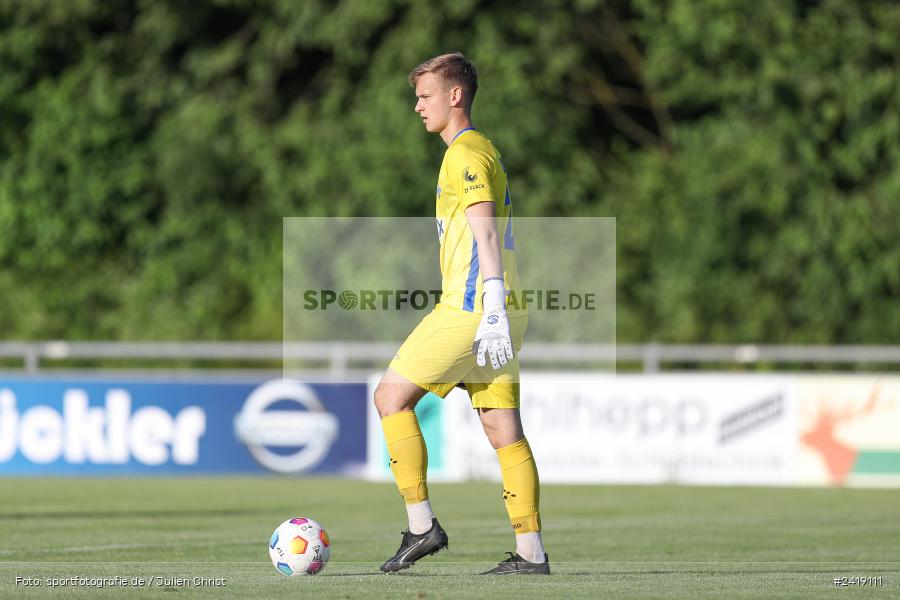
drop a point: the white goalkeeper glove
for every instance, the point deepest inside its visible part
(492, 337)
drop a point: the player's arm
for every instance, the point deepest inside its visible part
(483, 224)
(492, 338)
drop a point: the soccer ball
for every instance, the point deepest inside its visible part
(299, 546)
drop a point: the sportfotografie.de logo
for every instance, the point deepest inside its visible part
(374, 300)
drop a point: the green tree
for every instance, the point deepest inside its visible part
(749, 150)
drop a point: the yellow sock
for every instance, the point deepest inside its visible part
(521, 488)
(408, 456)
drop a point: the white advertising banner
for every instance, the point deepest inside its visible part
(643, 429)
(598, 428)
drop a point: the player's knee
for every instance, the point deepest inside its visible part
(494, 435)
(501, 434)
(386, 400)
(381, 399)
(499, 439)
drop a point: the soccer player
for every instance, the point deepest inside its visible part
(471, 336)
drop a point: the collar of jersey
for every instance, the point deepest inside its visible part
(460, 133)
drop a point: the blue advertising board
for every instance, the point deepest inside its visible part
(108, 427)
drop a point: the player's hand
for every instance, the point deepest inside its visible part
(492, 338)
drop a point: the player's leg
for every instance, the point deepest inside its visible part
(432, 359)
(395, 399)
(496, 394)
(521, 489)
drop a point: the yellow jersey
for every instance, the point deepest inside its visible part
(472, 172)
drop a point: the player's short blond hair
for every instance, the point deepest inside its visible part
(452, 69)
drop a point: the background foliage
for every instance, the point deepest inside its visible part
(749, 150)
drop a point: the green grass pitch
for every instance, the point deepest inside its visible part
(603, 541)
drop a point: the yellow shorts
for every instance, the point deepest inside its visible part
(438, 355)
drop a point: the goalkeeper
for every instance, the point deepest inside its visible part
(471, 337)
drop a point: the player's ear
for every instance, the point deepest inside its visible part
(456, 96)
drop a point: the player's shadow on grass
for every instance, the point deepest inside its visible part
(385, 575)
(462, 574)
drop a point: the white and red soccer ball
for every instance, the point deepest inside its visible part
(299, 546)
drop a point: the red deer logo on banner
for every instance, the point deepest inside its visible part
(839, 458)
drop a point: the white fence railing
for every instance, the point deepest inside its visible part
(339, 357)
